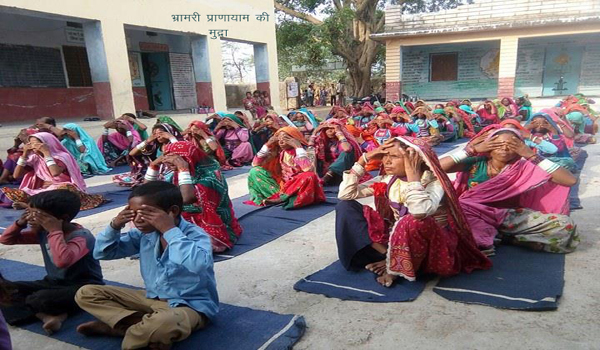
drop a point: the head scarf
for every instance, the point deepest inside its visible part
(308, 115)
(549, 119)
(168, 120)
(236, 119)
(193, 155)
(467, 109)
(92, 154)
(219, 152)
(40, 169)
(514, 123)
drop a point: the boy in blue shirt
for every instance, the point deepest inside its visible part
(176, 264)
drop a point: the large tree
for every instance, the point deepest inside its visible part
(345, 32)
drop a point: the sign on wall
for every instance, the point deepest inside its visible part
(74, 35)
(184, 84)
(135, 69)
(292, 89)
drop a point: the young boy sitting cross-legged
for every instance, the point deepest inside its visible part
(67, 250)
(177, 267)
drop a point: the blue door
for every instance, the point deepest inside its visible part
(561, 70)
(158, 81)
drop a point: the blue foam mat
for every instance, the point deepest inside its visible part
(520, 279)
(235, 327)
(264, 224)
(335, 281)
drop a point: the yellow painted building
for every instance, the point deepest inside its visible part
(494, 48)
(77, 58)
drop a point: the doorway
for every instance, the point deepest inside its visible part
(157, 78)
(562, 68)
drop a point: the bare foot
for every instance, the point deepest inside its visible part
(98, 328)
(52, 323)
(159, 346)
(378, 268)
(272, 201)
(386, 279)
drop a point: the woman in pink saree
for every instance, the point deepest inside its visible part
(508, 192)
(47, 165)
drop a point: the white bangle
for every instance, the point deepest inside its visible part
(459, 156)
(140, 146)
(184, 178)
(301, 152)
(173, 140)
(364, 157)
(128, 133)
(79, 143)
(21, 161)
(151, 174)
(210, 139)
(263, 152)
(548, 166)
(106, 131)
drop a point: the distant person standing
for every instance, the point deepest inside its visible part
(341, 92)
(382, 94)
(333, 94)
(323, 97)
(310, 96)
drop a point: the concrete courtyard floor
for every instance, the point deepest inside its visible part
(263, 279)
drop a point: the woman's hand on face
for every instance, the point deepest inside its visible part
(157, 162)
(165, 135)
(292, 142)
(485, 145)
(519, 147)
(412, 164)
(273, 140)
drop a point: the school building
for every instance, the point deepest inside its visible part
(73, 58)
(494, 48)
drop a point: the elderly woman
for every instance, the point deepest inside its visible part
(46, 165)
(82, 146)
(264, 129)
(511, 193)
(283, 172)
(116, 145)
(488, 113)
(417, 226)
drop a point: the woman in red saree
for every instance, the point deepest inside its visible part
(506, 190)
(283, 173)
(417, 227)
(204, 190)
(488, 113)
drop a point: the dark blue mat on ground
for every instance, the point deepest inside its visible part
(116, 195)
(264, 224)
(574, 201)
(335, 281)
(237, 171)
(520, 279)
(234, 328)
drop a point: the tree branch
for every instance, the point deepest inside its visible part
(297, 14)
(338, 4)
(379, 24)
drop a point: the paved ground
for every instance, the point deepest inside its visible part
(263, 279)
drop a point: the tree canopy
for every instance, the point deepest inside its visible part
(313, 32)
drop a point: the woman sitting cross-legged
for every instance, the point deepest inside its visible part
(336, 150)
(282, 172)
(510, 193)
(82, 146)
(116, 145)
(232, 133)
(417, 227)
(46, 165)
(204, 190)
(140, 156)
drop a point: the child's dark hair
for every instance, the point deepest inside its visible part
(130, 115)
(62, 204)
(161, 194)
(48, 120)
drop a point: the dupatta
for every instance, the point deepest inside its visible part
(219, 152)
(321, 142)
(272, 164)
(92, 154)
(119, 140)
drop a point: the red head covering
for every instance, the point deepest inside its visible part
(219, 152)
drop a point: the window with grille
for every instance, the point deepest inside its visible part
(443, 67)
(78, 67)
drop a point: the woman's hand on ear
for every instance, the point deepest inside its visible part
(412, 164)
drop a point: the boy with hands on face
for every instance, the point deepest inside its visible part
(176, 264)
(67, 251)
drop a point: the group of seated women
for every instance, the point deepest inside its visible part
(512, 181)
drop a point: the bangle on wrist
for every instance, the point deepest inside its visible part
(184, 178)
(151, 174)
(140, 146)
(459, 156)
(21, 161)
(364, 157)
(173, 140)
(105, 131)
(128, 133)
(548, 166)
(79, 143)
